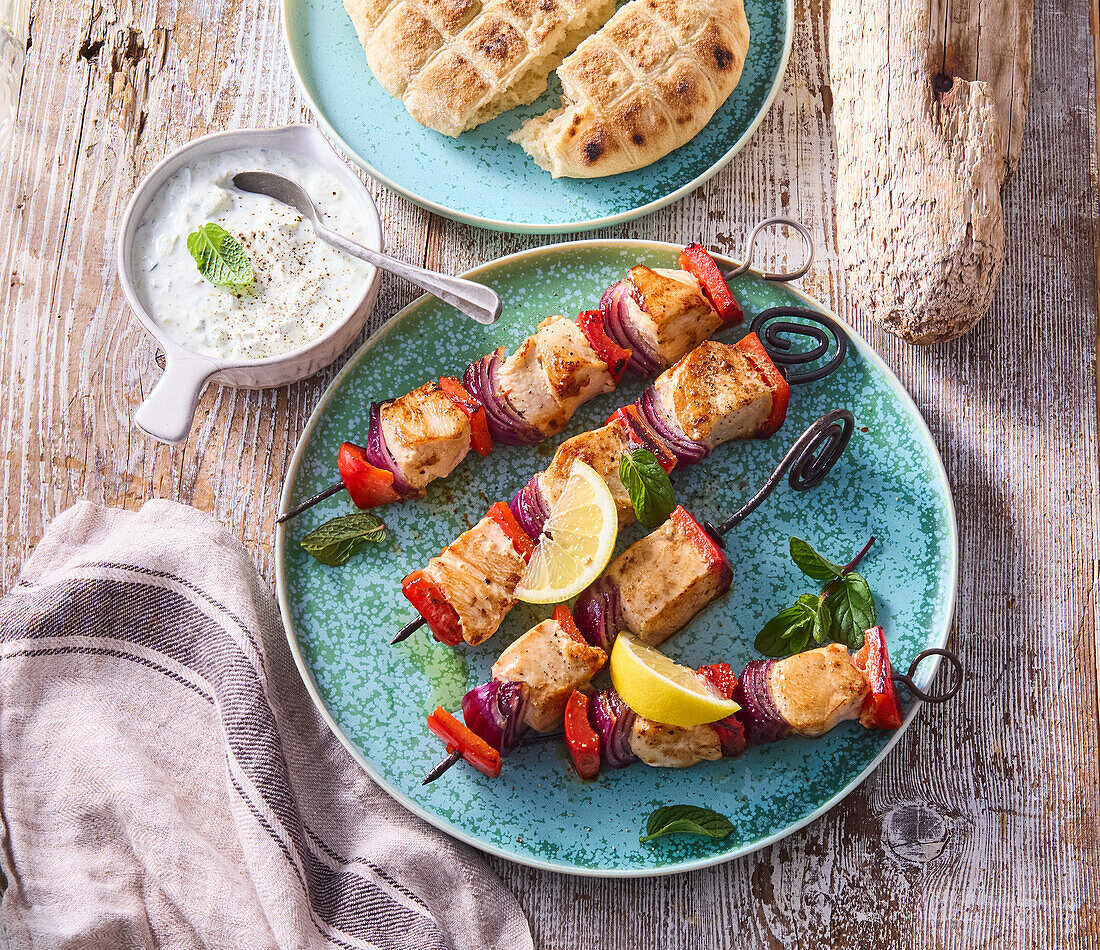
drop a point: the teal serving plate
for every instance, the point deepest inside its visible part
(483, 179)
(890, 483)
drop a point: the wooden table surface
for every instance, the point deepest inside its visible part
(983, 826)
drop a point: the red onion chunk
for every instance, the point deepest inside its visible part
(612, 719)
(759, 713)
(529, 508)
(688, 451)
(614, 307)
(505, 424)
(378, 453)
(495, 712)
(598, 613)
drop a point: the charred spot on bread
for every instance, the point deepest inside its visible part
(637, 138)
(722, 56)
(593, 149)
(498, 42)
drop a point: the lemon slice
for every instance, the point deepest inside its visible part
(576, 542)
(657, 688)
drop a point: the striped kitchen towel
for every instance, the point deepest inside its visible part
(166, 782)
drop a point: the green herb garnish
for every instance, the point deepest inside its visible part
(337, 540)
(841, 613)
(220, 257)
(649, 487)
(791, 630)
(686, 820)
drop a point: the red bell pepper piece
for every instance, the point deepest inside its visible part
(882, 707)
(432, 604)
(720, 676)
(583, 742)
(480, 439)
(367, 484)
(564, 619)
(641, 435)
(773, 378)
(591, 325)
(705, 545)
(731, 732)
(521, 540)
(473, 748)
(697, 261)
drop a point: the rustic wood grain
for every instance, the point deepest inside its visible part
(930, 102)
(983, 827)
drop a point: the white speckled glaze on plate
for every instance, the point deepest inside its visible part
(339, 620)
(483, 179)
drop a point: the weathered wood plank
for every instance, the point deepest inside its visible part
(982, 827)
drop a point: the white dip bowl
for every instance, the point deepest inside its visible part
(167, 412)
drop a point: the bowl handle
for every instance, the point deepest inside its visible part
(167, 412)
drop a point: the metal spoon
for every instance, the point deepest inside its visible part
(477, 301)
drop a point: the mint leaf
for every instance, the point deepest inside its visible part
(791, 630)
(853, 608)
(219, 257)
(337, 540)
(776, 634)
(841, 613)
(823, 622)
(813, 564)
(649, 487)
(687, 820)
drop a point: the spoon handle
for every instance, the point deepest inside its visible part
(477, 301)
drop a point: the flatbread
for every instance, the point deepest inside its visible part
(641, 87)
(458, 63)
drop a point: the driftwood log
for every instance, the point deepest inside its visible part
(929, 100)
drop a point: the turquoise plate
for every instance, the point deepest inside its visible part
(481, 178)
(339, 621)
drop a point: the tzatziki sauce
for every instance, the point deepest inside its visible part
(302, 287)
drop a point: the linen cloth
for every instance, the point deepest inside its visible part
(165, 780)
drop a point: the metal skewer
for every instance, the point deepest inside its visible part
(781, 355)
(408, 630)
(442, 767)
(949, 693)
(531, 738)
(810, 459)
(827, 438)
(310, 502)
(904, 678)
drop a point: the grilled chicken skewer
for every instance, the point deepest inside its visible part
(675, 572)
(645, 323)
(807, 694)
(716, 393)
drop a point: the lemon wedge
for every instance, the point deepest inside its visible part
(660, 689)
(576, 542)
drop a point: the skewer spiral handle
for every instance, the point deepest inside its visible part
(809, 460)
(776, 339)
(956, 681)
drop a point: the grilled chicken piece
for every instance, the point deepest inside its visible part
(602, 449)
(551, 374)
(552, 664)
(816, 690)
(479, 574)
(673, 747)
(677, 317)
(658, 602)
(713, 395)
(426, 433)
